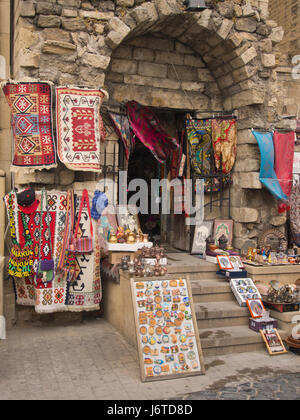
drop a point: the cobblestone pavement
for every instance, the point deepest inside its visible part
(285, 387)
(91, 360)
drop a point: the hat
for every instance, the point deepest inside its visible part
(100, 202)
(26, 197)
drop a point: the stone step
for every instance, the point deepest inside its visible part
(221, 314)
(211, 290)
(220, 310)
(234, 339)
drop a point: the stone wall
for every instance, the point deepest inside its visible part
(225, 58)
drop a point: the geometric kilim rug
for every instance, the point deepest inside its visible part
(79, 127)
(31, 108)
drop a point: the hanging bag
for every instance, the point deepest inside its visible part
(20, 262)
(45, 267)
(82, 245)
(66, 266)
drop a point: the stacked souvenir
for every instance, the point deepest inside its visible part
(281, 297)
(140, 268)
(243, 290)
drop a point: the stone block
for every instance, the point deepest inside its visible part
(268, 60)
(49, 21)
(29, 59)
(56, 34)
(244, 215)
(66, 177)
(69, 13)
(125, 3)
(164, 57)
(142, 54)
(245, 58)
(278, 220)
(73, 24)
(45, 8)
(152, 69)
(248, 97)
(95, 15)
(249, 180)
(58, 48)
(246, 25)
(124, 66)
(95, 60)
(277, 35)
(247, 165)
(70, 3)
(26, 38)
(27, 9)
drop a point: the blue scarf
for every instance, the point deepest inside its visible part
(267, 174)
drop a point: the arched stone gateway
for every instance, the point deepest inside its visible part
(223, 57)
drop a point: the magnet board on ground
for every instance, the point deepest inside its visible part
(166, 329)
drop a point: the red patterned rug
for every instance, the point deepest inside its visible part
(80, 128)
(31, 108)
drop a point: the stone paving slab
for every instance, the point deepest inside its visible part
(91, 360)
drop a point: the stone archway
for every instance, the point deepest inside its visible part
(236, 44)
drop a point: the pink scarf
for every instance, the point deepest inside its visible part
(284, 146)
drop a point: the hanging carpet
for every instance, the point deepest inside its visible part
(284, 146)
(267, 172)
(149, 131)
(80, 128)
(31, 109)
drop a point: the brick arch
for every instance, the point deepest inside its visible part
(228, 53)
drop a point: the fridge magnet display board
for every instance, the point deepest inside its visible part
(273, 342)
(166, 329)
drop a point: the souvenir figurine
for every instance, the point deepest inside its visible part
(223, 241)
(113, 238)
(120, 233)
(131, 238)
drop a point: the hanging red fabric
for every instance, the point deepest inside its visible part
(284, 146)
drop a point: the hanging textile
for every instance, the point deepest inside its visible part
(79, 127)
(200, 146)
(284, 146)
(224, 140)
(122, 125)
(147, 128)
(295, 213)
(267, 173)
(31, 109)
(176, 158)
(84, 292)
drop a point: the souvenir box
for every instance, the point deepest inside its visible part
(244, 289)
(257, 324)
(243, 274)
(283, 307)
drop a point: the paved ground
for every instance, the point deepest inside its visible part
(91, 360)
(285, 387)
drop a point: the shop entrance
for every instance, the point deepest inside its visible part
(168, 229)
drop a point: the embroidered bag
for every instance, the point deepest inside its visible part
(46, 267)
(82, 245)
(67, 260)
(20, 262)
